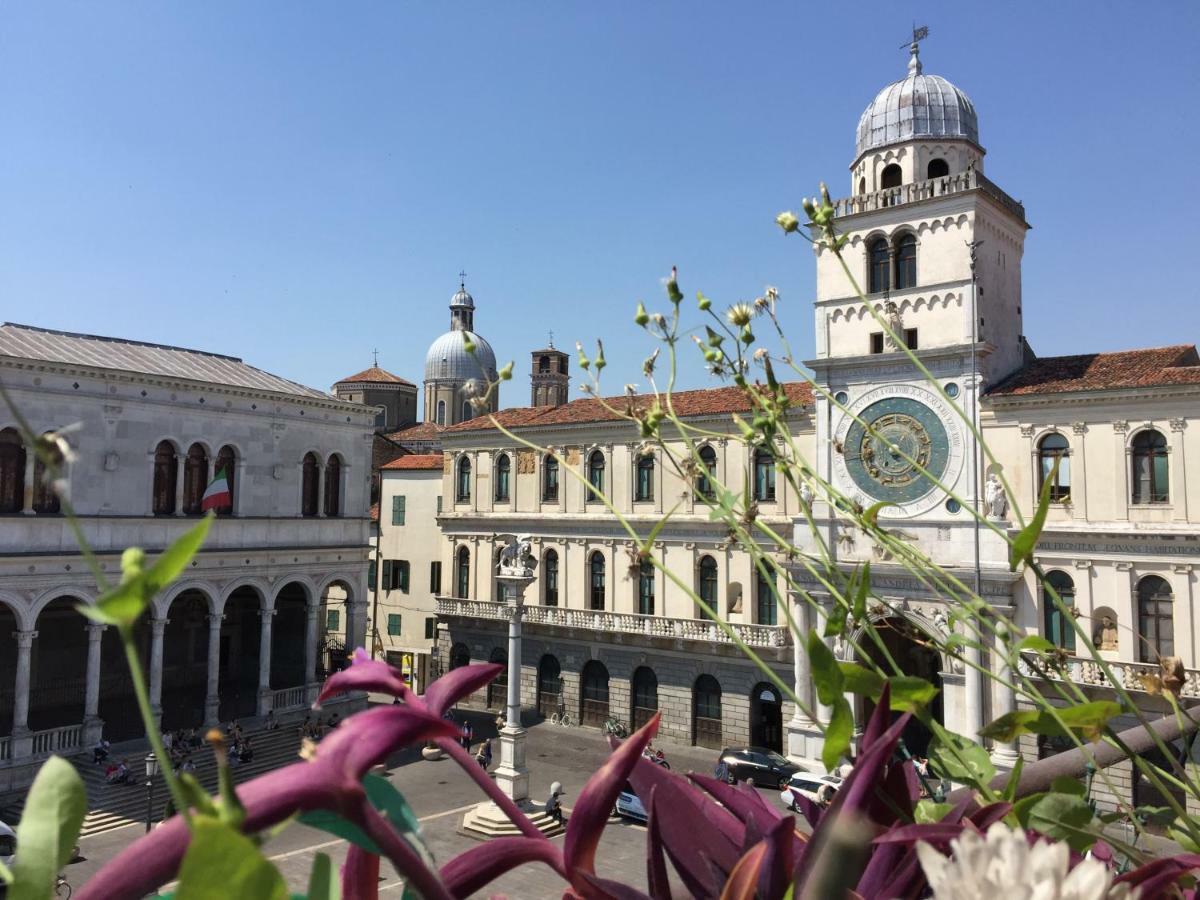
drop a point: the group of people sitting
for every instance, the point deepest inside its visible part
(314, 731)
(180, 744)
(116, 772)
(240, 749)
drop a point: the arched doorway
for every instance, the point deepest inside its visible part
(549, 686)
(766, 717)
(707, 729)
(237, 678)
(644, 689)
(289, 637)
(593, 703)
(497, 689)
(118, 704)
(185, 661)
(8, 665)
(58, 672)
(460, 655)
(910, 648)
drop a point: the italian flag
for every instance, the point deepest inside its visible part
(217, 494)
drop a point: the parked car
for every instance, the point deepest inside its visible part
(812, 786)
(628, 805)
(8, 844)
(764, 767)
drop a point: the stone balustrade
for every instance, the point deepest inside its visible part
(927, 190)
(67, 739)
(289, 698)
(701, 630)
(1086, 672)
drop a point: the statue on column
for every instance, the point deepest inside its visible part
(517, 559)
(995, 500)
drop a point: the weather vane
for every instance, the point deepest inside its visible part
(919, 34)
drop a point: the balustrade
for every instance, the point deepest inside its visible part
(1086, 671)
(927, 190)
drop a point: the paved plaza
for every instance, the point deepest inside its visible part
(439, 794)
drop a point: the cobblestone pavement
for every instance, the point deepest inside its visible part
(440, 794)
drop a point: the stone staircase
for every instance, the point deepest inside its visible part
(112, 806)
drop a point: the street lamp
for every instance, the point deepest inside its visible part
(151, 771)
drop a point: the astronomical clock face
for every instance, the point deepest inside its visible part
(910, 429)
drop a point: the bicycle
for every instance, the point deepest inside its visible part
(560, 716)
(61, 888)
(616, 728)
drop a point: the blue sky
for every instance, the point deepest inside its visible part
(299, 183)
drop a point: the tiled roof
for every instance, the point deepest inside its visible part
(708, 402)
(1104, 371)
(422, 431)
(384, 451)
(374, 512)
(69, 348)
(375, 375)
(428, 461)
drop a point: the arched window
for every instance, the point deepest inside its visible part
(906, 262)
(462, 573)
(646, 589)
(503, 467)
(310, 498)
(706, 712)
(707, 476)
(12, 472)
(707, 587)
(644, 488)
(878, 263)
(550, 578)
(45, 497)
(466, 411)
(1058, 627)
(645, 695)
(767, 607)
(1150, 473)
(595, 476)
(460, 655)
(549, 686)
(892, 177)
(862, 185)
(441, 412)
(550, 479)
(937, 168)
(543, 363)
(593, 706)
(596, 585)
(1156, 628)
(166, 470)
(227, 465)
(195, 479)
(333, 486)
(764, 476)
(462, 482)
(1053, 448)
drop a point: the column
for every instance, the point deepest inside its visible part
(972, 688)
(93, 726)
(180, 478)
(320, 490)
(513, 719)
(158, 627)
(22, 743)
(310, 652)
(239, 479)
(1178, 471)
(1004, 698)
(30, 487)
(266, 617)
(212, 701)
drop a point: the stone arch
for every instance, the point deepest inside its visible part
(549, 687)
(20, 608)
(259, 585)
(162, 603)
(184, 679)
(243, 602)
(58, 663)
(766, 716)
(41, 600)
(310, 588)
(290, 606)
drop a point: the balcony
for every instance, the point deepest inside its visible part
(932, 189)
(602, 621)
(1085, 672)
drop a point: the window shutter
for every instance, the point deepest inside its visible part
(372, 574)
(439, 504)
(387, 574)
(435, 577)
(397, 510)
(430, 626)
(393, 624)
(401, 570)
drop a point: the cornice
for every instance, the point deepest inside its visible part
(1090, 398)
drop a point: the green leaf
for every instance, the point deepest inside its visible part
(1021, 549)
(871, 516)
(119, 606)
(1159, 816)
(838, 733)
(960, 759)
(929, 812)
(1063, 817)
(826, 676)
(172, 562)
(1085, 721)
(1006, 728)
(221, 862)
(331, 822)
(6, 875)
(196, 796)
(1014, 780)
(49, 828)
(859, 680)
(1065, 784)
(384, 797)
(1036, 643)
(321, 883)
(910, 693)
(862, 587)
(835, 621)
(1183, 838)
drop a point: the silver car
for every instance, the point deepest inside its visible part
(628, 806)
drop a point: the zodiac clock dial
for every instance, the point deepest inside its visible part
(886, 459)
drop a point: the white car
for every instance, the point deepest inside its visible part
(8, 844)
(629, 805)
(817, 788)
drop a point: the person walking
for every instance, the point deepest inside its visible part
(468, 734)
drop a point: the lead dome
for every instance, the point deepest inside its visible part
(916, 106)
(448, 359)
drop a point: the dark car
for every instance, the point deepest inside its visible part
(764, 767)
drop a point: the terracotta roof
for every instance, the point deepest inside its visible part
(374, 512)
(428, 461)
(421, 431)
(1104, 371)
(708, 402)
(384, 451)
(375, 375)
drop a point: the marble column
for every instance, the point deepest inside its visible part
(158, 628)
(212, 700)
(803, 734)
(30, 487)
(310, 653)
(320, 490)
(973, 690)
(180, 478)
(24, 671)
(93, 725)
(1004, 755)
(266, 617)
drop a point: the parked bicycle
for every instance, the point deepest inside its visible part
(560, 716)
(616, 728)
(61, 888)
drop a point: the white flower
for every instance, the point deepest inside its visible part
(1004, 864)
(740, 314)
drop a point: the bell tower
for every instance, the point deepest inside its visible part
(550, 381)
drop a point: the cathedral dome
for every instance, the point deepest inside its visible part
(917, 106)
(448, 359)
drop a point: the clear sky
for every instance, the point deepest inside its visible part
(297, 183)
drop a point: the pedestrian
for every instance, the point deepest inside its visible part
(100, 751)
(468, 734)
(272, 724)
(554, 805)
(487, 754)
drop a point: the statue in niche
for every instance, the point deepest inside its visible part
(1105, 637)
(895, 325)
(994, 499)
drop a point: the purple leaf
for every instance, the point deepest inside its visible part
(656, 865)
(364, 674)
(742, 801)
(604, 889)
(878, 878)
(596, 800)
(775, 873)
(1158, 874)
(742, 883)
(881, 716)
(933, 833)
(987, 815)
(360, 875)
(472, 869)
(675, 811)
(458, 683)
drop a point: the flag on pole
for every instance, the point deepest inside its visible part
(217, 494)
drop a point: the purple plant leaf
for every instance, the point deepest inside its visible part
(742, 801)
(775, 873)
(365, 674)
(881, 717)
(656, 864)
(932, 833)
(604, 889)
(360, 875)
(472, 869)
(1157, 875)
(752, 835)
(742, 883)
(811, 811)
(676, 810)
(987, 815)
(458, 683)
(878, 877)
(596, 800)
